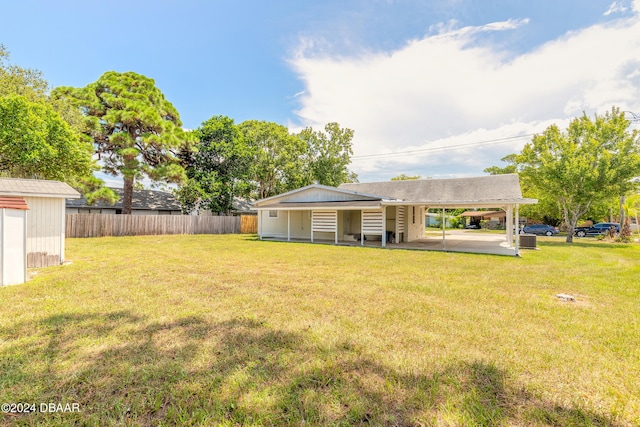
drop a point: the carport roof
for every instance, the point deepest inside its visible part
(490, 190)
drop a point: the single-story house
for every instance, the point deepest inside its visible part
(45, 217)
(390, 211)
(497, 219)
(144, 202)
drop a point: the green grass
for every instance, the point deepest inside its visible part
(228, 330)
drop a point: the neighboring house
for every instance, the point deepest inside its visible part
(497, 219)
(145, 202)
(241, 206)
(435, 219)
(45, 217)
(387, 211)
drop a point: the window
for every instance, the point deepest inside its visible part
(273, 214)
(413, 217)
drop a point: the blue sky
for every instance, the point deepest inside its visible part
(439, 88)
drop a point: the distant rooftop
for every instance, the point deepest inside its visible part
(142, 199)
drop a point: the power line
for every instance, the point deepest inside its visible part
(439, 149)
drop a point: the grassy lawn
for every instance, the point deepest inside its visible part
(228, 330)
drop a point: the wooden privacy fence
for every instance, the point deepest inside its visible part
(248, 224)
(99, 225)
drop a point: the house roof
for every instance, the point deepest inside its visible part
(18, 187)
(484, 188)
(142, 200)
(17, 203)
(484, 191)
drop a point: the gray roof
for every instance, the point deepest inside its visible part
(36, 188)
(482, 189)
(142, 200)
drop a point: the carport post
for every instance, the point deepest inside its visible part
(444, 222)
(517, 230)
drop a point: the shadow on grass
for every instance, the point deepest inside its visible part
(124, 369)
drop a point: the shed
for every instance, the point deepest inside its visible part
(13, 240)
(45, 217)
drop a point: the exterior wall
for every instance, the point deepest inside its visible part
(348, 223)
(414, 223)
(45, 231)
(277, 227)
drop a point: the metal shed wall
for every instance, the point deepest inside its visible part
(45, 231)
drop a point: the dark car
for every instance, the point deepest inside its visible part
(597, 229)
(541, 229)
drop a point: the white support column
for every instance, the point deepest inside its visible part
(288, 226)
(384, 226)
(444, 225)
(361, 227)
(311, 226)
(518, 230)
(509, 224)
(260, 224)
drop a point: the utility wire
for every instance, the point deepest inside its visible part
(439, 149)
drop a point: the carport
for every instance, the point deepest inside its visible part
(391, 212)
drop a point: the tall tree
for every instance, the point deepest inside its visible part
(135, 130)
(589, 162)
(329, 155)
(218, 167)
(278, 157)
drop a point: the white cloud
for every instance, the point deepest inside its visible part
(453, 87)
(615, 7)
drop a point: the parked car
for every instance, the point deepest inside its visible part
(597, 229)
(541, 229)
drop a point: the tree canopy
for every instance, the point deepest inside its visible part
(38, 138)
(328, 155)
(218, 167)
(405, 177)
(278, 163)
(588, 163)
(136, 132)
(258, 159)
(36, 143)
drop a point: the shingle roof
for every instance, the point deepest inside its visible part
(484, 188)
(142, 199)
(36, 188)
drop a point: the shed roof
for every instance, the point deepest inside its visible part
(36, 188)
(142, 199)
(17, 203)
